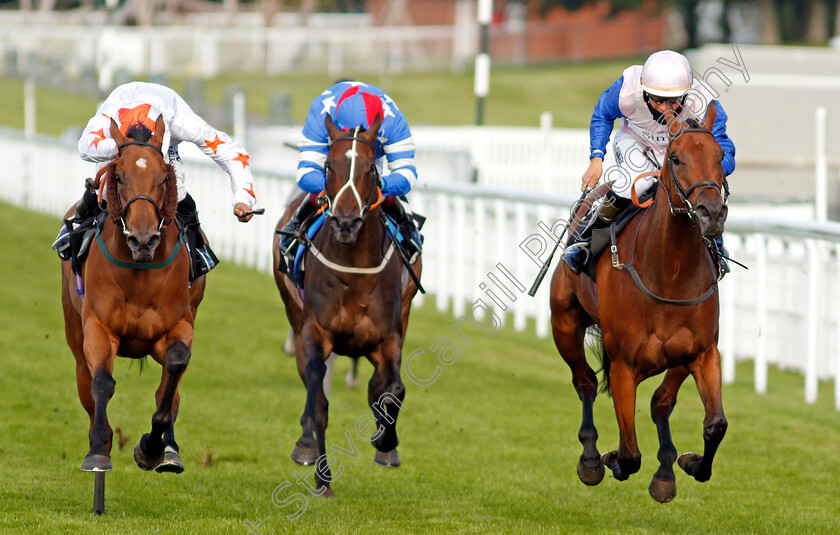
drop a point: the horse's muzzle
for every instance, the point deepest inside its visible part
(711, 219)
(346, 229)
(143, 245)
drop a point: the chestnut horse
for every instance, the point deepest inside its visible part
(356, 299)
(132, 298)
(657, 312)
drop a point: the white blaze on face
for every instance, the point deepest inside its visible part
(141, 163)
(351, 183)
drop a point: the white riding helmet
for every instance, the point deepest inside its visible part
(666, 74)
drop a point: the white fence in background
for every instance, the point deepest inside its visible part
(784, 310)
(521, 158)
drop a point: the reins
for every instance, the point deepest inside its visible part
(687, 209)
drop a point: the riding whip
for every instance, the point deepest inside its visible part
(547, 263)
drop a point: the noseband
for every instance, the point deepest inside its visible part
(351, 182)
(124, 208)
(682, 194)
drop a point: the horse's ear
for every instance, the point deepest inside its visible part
(711, 115)
(371, 133)
(118, 136)
(332, 129)
(160, 128)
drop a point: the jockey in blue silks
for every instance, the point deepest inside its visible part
(352, 104)
(645, 98)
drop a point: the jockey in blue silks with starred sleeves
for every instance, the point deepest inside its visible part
(352, 104)
(645, 98)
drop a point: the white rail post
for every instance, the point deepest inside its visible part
(239, 117)
(29, 103)
(728, 330)
(821, 161)
(813, 321)
(761, 316)
(837, 354)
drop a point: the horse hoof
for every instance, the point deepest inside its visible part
(96, 463)
(689, 461)
(590, 476)
(324, 492)
(144, 462)
(171, 462)
(388, 459)
(305, 455)
(662, 491)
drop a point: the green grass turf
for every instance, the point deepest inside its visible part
(490, 447)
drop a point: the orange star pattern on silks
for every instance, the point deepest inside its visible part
(213, 145)
(251, 191)
(136, 115)
(100, 136)
(242, 158)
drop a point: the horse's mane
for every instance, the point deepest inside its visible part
(139, 132)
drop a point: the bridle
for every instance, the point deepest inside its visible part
(699, 187)
(350, 185)
(123, 208)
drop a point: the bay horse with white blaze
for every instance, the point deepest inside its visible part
(132, 297)
(355, 300)
(657, 312)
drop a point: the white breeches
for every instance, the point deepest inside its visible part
(630, 163)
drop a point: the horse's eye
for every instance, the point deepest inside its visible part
(674, 159)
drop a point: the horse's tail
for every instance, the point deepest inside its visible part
(595, 344)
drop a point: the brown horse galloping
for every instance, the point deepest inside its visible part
(132, 298)
(356, 299)
(663, 317)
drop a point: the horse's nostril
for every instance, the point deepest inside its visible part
(153, 242)
(133, 243)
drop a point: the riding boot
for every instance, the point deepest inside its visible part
(576, 254)
(412, 240)
(202, 258)
(288, 235)
(611, 206)
(86, 207)
(722, 256)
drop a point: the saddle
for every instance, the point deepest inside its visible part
(604, 236)
(81, 232)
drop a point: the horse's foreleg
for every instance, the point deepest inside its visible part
(386, 393)
(706, 373)
(627, 459)
(149, 452)
(663, 487)
(311, 447)
(171, 452)
(100, 368)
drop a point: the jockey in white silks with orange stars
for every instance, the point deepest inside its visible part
(645, 98)
(141, 103)
(351, 104)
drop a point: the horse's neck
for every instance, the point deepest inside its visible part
(673, 242)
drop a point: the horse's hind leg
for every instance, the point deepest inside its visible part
(706, 372)
(663, 486)
(386, 393)
(568, 337)
(149, 451)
